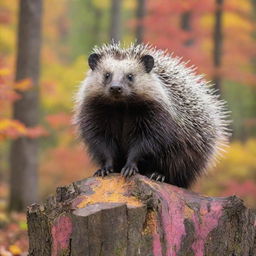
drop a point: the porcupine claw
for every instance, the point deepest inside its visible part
(129, 170)
(103, 171)
(157, 177)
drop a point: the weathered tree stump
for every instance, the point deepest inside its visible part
(113, 217)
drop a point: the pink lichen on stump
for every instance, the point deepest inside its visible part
(157, 248)
(61, 232)
(210, 214)
(172, 213)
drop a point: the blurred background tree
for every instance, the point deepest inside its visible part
(218, 36)
(115, 21)
(24, 150)
(140, 14)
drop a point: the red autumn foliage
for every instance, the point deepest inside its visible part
(237, 50)
(59, 120)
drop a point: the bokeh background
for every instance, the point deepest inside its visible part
(218, 36)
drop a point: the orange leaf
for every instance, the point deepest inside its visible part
(23, 85)
(11, 128)
(14, 249)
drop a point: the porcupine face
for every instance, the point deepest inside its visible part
(118, 78)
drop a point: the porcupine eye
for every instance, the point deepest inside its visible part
(107, 76)
(130, 77)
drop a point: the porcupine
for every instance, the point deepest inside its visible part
(141, 110)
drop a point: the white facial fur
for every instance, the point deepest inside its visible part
(146, 85)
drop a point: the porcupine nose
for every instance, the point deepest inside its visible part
(116, 89)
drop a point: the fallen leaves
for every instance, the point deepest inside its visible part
(13, 234)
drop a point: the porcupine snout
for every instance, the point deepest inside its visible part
(115, 89)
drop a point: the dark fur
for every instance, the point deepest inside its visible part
(139, 133)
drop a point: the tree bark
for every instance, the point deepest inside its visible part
(186, 26)
(116, 20)
(141, 9)
(113, 217)
(218, 42)
(23, 155)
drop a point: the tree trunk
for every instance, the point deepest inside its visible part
(141, 9)
(186, 26)
(218, 41)
(97, 25)
(116, 20)
(138, 217)
(23, 155)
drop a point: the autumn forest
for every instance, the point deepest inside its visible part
(44, 46)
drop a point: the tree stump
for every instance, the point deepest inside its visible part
(112, 216)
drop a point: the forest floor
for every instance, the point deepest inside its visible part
(13, 229)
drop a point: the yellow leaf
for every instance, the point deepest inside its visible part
(3, 218)
(129, 4)
(23, 85)
(236, 21)
(8, 123)
(11, 129)
(14, 249)
(4, 71)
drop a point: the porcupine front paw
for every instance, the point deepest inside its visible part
(103, 171)
(157, 177)
(129, 170)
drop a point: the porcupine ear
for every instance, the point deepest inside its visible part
(148, 62)
(93, 60)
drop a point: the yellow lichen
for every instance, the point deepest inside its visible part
(109, 190)
(188, 212)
